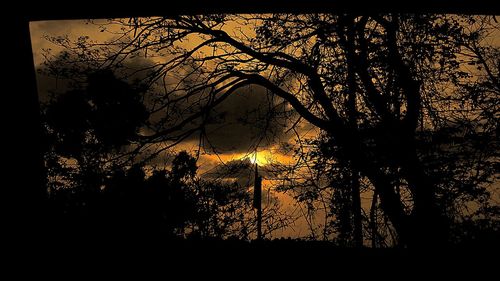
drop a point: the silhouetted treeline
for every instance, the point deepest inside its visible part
(89, 192)
(405, 106)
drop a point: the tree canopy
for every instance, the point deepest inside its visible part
(406, 105)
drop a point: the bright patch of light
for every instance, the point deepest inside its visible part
(258, 158)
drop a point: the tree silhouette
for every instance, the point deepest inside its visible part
(373, 85)
(91, 188)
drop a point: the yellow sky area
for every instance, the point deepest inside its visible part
(72, 28)
(206, 162)
(262, 157)
(237, 27)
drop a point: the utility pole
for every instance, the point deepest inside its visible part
(257, 201)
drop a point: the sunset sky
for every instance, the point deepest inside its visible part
(236, 141)
(240, 138)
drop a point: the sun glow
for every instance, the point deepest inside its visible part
(258, 158)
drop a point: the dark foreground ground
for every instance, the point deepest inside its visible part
(75, 257)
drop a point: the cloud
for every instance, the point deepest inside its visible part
(74, 66)
(49, 83)
(241, 171)
(251, 117)
(248, 118)
(72, 28)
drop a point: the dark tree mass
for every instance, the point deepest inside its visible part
(362, 130)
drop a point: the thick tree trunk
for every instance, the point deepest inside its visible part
(353, 124)
(392, 206)
(430, 227)
(390, 201)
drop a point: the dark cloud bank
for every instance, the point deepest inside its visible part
(249, 118)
